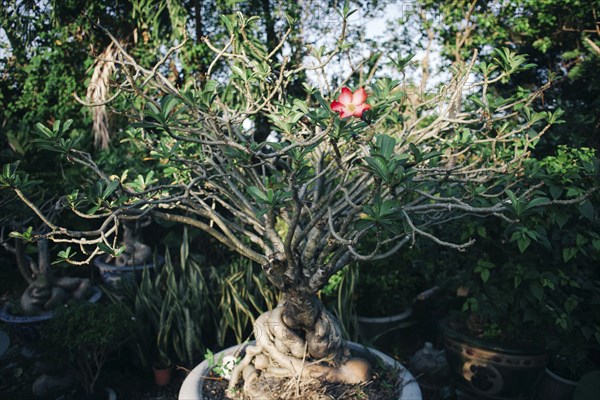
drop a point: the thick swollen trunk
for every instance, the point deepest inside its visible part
(299, 338)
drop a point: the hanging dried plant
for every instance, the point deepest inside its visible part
(97, 95)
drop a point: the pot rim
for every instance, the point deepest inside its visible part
(559, 378)
(453, 334)
(8, 317)
(383, 320)
(103, 265)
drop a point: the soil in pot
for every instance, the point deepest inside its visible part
(390, 381)
(384, 386)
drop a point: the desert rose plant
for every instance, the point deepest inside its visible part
(369, 158)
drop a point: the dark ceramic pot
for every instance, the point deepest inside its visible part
(555, 387)
(115, 277)
(487, 370)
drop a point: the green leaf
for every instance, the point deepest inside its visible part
(555, 191)
(106, 249)
(258, 194)
(378, 166)
(518, 280)
(227, 22)
(167, 104)
(514, 201)
(239, 72)
(322, 101)
(416, 152)
(523, 242)
(67, 125)
(536, 289)
(485, 275)
(110, 188)
(587, 210)
(386, 145)
(540, 201)
(569, 253)
(211, 85)
(44, 130)
(482, 232)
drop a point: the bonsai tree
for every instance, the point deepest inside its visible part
(340, 165)
(45, 291)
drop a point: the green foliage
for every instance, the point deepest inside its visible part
(555, 34)
(85, 334)
(388, 287)
(80, 326)
(180, 309)
(221, 366)
(242, 293)
(534, 280)
(409, 166)
(171, 311)
(339, 295)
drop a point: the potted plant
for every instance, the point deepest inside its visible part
(385, 305)
(162, 304)
(45, 292)
(496, 343)
(341, 166)
(83, 335)
(127, 263)
(162, 369)
(528, 286)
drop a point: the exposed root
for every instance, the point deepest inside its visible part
(281, 352)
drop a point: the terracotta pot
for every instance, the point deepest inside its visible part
(193, 383)
(487, 370)
(162, 376)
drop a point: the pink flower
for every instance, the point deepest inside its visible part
(351, 105)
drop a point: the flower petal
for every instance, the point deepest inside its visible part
(359, 97)
(345, 113)
(346, 96)
(360, 109)
(337, 106)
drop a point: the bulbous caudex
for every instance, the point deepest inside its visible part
(299, 338)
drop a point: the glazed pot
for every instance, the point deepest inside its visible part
(193, 383)
(487, 370)
(116, 276)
